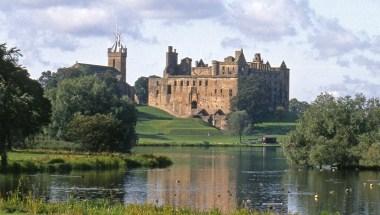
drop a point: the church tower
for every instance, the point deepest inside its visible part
(117, 57)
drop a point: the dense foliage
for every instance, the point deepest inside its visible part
(141, 87)
(23, 109)
(78, 92)
(340, 131)
(253, 98)
(98, 132)
(297, 108)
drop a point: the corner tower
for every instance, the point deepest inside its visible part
(117, 57)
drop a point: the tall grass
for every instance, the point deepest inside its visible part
(30, 205)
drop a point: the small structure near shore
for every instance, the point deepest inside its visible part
(269, 140)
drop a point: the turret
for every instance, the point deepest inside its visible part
(215, 67)
(117, 57)
(171, 60)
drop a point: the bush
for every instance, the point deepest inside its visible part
(96, 133)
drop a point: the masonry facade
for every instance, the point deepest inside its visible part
(206, 91)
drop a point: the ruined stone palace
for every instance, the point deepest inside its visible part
(206, 91)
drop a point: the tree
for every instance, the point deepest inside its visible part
(97, 133)
(23, 108)
(253, 97)
(141, 86)
(337, 131)
(90, 95)
(297, 108)
(237, 122)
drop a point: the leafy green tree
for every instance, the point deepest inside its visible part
(253, 97)
(336, 131)
(89, 95)
(297, 108)
(237, 122)
(141, 86)
(23, 108)
(97, 133)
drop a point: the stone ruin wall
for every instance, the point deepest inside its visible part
(188, 96)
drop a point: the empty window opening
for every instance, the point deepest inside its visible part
(169, 90)
(194, 105)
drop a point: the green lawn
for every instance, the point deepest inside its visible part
(158, 127)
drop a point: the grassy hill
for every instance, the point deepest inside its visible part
(158, 127)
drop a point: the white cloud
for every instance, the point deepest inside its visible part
(352, 86)
(371, 65)
(268, 20)
(330, 39)
(232, 42)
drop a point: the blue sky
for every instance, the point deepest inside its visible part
(330, 46)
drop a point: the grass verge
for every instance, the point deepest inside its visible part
(17, 205)
(29, 205)
(64, 162)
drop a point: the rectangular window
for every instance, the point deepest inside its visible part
(157, 92)
(181, 83)
(200, 83)
(221, 91)
(187, 83)
(230, 92)
(169, 90)
(158, 83)
(193, 83)
(215, 91)
(175, 83)
(206, 83)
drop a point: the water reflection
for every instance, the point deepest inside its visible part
(221, 178)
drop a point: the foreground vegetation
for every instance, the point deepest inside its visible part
(15, 204)
(342, 132)
(156, 127)
(64, 162)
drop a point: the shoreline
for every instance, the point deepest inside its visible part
(248, 145)
(40, 161)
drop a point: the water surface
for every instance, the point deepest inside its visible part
(224, 178)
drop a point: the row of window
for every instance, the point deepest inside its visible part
(188, 83)
(169, 91)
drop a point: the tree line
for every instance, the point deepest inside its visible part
(73, 104)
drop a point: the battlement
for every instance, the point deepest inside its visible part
(230, 66)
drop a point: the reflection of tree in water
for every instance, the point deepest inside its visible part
(260, 175)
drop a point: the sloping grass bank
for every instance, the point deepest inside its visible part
(64, 162)
(156, 127)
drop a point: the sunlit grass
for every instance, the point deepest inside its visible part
(158, 127)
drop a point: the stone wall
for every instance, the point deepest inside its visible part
(188, 96)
